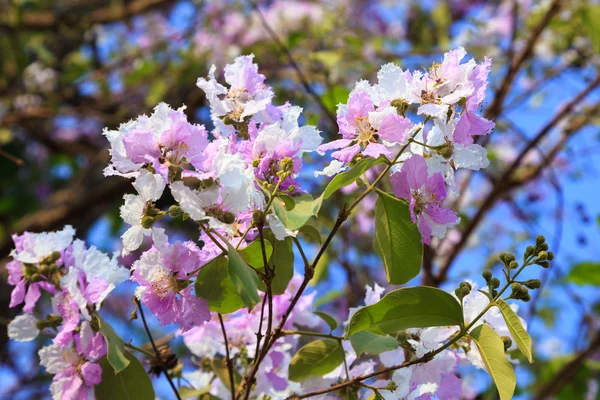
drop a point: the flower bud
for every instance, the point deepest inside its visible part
(542, 256)
(287, 164)
(400, 105)
(544, 246)
(147, 222)
(29, 270)
(513, 265)
(507, 342)
(550, 256)
(529, 251)
(543, 264)
(487, 275)
(227, 217)
(37, 277)
(539, 240)
(495, 283)
(175, 211)
(533, 284)
(291, 189)
(258, 216)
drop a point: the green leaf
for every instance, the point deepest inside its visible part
(518, 333)
(491, 348)
(115, 350)
(133, 383)
(244, 279)
(591, 16)
(283, 261)
(305, 207)
(219, 367)
(214, 285)
(288, 201)
(348, 177)
(329, 320)
(397, 240)
(316, 358)
(311, 233)
(321, 269)
(187, 392)
(586, 273)
(372, 343)
(252, 253)
(412, 307)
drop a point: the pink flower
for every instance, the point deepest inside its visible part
(425, 194)
(165, 286)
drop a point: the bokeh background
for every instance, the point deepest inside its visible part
(70, 68)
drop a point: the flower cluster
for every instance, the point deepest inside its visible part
(378, 121)
(206, 342)
(79, 278)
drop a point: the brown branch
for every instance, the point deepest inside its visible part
(568, 371)
(51, 20)
(228, 358)
(506, 182)
(283, 49)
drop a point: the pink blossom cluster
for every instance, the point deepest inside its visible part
(380, 120)
(79, 278)
(206, 342)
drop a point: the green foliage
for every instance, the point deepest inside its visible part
(115, 349)
(244, 279)
(412, 307)
(591, 15)
(491, 348)
(372, 343)
(306, 207)
(518, 333)
(214, 285)
(252, 253)
(311, 233)
(316, 358)
(329, 320)
(133, 383)
(586, 273)
(219, 367)
(282, 259)
(397, 240)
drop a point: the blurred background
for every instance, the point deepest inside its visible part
(70, 68)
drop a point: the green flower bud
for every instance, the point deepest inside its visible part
(513, 265)
(147, 222)
(255, 163)
(287, 164)
(291, 189)
(543, 264)
(507, 342)
(544, 246)
(258, 217)
(227, 217)
(495, 283)
(400, 105)
(550, 256)
(29, 270)
(36, 278)
(487, 275)
(539, 240)
(533, 284)
(175, 211)
(542, 256)
(529, 251)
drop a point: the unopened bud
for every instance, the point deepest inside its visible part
(544, 246)
(147, 222)
(287, 164)
(175, 211)
(258, 216)
(227, 217)
(291, 189)
(543, 264)
(542, 256)
(487, 275)
(539, 240)
(513, 265)
(29, 270)
(400, 105)
(255, 163)
(507, 342)
(37, 277)
(533, 284)
(495, 283)
(445, 151)
(529, 251)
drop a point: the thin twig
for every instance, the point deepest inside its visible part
(156, 352)
(228, 358)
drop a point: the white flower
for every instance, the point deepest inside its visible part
(96, 266)
(23, 328)
(36, 246)
(278, 229)
(150, 188)
(56, 358)
(334, 168)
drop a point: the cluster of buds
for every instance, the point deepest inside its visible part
(463, 290)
